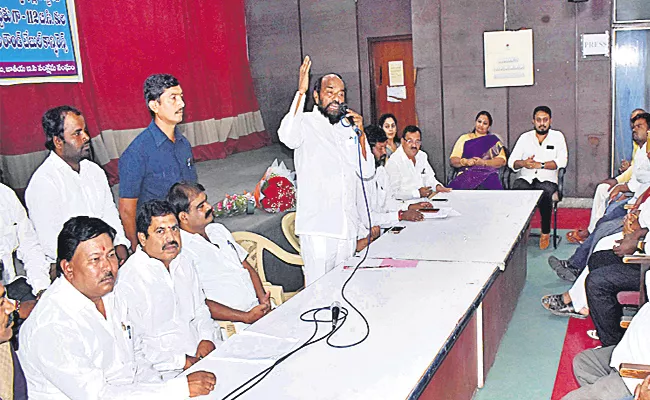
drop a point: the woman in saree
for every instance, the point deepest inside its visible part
(388, 123)
(478, 155)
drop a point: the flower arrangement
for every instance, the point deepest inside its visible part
(232, 205)
(276, 191)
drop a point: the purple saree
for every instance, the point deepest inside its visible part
(486, 147)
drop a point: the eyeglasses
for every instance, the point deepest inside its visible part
(413, 141)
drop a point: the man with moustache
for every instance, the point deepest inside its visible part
(538, 154)
(411, 175)
(330, 158)
(231, 285)
(79, 342)
(162, 291)
(159, 156)
(68, 184)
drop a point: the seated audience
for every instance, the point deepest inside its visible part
(164, 297)
(409, 171)
(478, 155)
(12, 380)
(68, 184)
(388, 123)
(537, 156)
(18, 239)
(601, 196)
(159, 156)
(231, 285)
(79, 342)
(611, 222)
(596, 370)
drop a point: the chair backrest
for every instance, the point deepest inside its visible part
(255, 245)
(289, 230)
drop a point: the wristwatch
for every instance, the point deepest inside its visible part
(543, 165)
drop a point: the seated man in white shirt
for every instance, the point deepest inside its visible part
(232, 287)
(68, 184)
(162, 291)
(410, 173)
(17, 236)
(539, 154)
(596, 370)
(79, 342)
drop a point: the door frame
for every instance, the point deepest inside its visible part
(371, 66)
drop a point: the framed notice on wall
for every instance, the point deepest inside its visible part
(508, 58)
(38, 42)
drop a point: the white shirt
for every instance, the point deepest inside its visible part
(634, 347)
(640, 179)
(219, 265)
(68, 350)
(384, 208)
(326, 158)
(17, 235)
(56, 193)
(407, 178)
(167, 308)
(552, 148)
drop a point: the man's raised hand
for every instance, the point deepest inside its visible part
(303, 82)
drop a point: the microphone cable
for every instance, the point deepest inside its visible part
(256, 379)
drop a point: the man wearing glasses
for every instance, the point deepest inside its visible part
(411, 175)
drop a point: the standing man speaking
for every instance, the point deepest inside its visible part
(329, 154)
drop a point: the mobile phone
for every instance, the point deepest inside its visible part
(396, 229)
(429, 210)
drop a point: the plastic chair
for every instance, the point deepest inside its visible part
(289, 230)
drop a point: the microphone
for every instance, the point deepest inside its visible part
(336, 309)
(343, 109)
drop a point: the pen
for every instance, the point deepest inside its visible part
(438, 199)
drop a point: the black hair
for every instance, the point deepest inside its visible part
(411, 129)
(53, 122)
(383, 119)
(487, 114)
(545, 109)
(644, 116)
(319, 82)
(148, 210)
(374, 135)
(77, 230)
(155, 85)
(179, 195)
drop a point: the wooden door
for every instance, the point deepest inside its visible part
(386, 55)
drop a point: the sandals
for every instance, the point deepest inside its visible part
(577, 236)
(555, 304)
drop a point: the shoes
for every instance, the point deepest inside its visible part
(592, 333)
(544, 241)
(554, 304)
(577, 236)
(563, 269)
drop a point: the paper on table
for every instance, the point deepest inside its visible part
(443, 212)
(253, 346)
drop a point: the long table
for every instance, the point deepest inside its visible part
(435, 328)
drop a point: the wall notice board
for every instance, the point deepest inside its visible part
(508, 58)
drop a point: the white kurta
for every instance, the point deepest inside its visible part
(407, 178)
(552, 148)
(326, 158)
(68, 350)
(384, 208)
(167, 308)
(56, 193)
(640, 180)
(219, 265)
(17, 235)
(634, 347)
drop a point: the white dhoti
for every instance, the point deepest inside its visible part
(321, 254)
(599, 206)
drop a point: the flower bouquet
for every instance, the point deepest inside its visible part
(232, 205)
(276, 191)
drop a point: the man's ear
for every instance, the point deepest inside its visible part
(58, 142)
(183, 217)
(316, 97)
(67, 269)
(142, 239)
(153, 106)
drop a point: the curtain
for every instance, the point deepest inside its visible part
(201, 42)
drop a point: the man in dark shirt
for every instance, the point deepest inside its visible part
(159, 156)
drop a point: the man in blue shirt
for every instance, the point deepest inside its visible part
(159, 156)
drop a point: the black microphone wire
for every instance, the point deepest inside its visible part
(256, 379)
